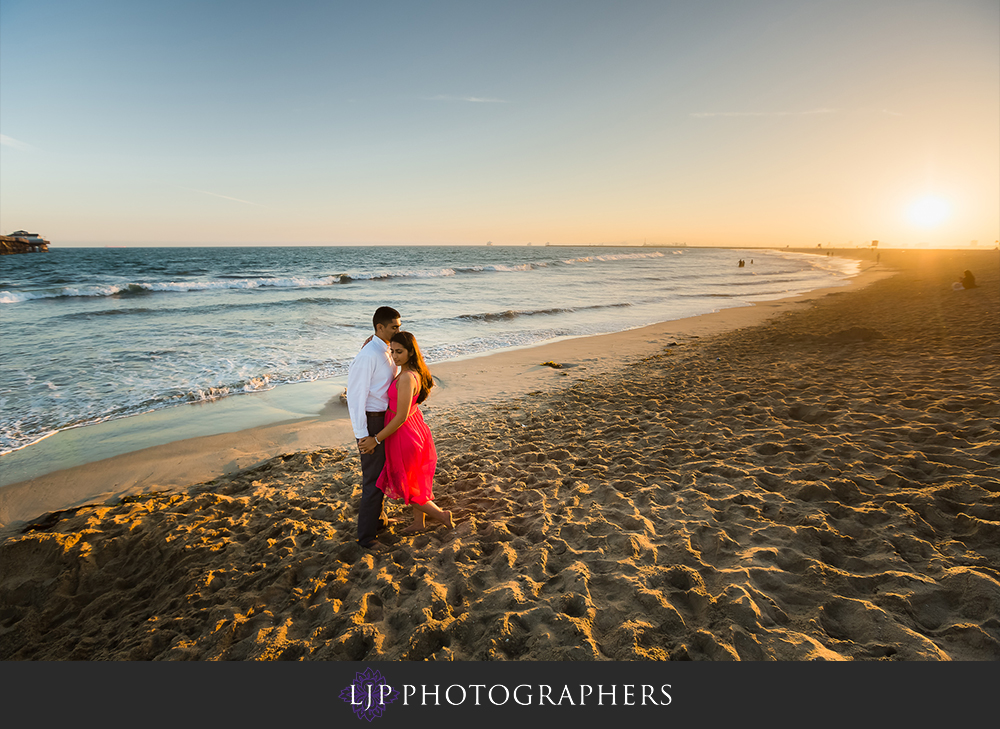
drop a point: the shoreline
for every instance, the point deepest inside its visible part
(280, 420)
(104, 427)
(822, 485)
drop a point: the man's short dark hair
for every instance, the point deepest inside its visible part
(384, 315)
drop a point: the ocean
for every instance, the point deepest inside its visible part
(89, 335)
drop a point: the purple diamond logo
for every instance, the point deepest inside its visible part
(369, 695)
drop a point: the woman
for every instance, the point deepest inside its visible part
(410, 456)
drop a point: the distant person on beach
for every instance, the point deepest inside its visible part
(968, 280)
(368, 380)
(410, 456)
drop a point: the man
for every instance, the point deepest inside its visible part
(368, 380)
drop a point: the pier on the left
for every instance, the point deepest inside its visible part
(21, 241)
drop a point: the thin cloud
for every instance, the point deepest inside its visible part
(6, 141)
(215, 194)
(704, 114)
(469, 99)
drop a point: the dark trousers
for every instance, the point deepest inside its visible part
(370, 511)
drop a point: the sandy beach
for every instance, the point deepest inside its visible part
(812, 478)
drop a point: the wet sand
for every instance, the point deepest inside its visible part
(815, 478)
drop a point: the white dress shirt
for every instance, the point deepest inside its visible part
(368, 380)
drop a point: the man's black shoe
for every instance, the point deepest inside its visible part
(375, 547)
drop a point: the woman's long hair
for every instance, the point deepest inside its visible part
(416, 362)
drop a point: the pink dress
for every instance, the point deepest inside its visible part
(410, 456)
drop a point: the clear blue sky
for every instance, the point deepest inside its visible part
(715, 122)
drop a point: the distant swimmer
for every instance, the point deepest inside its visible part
(741, 264)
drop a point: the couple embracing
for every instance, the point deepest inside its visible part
(385, 383)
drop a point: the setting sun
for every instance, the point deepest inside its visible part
(929, 211)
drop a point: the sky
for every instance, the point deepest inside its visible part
(725, 123)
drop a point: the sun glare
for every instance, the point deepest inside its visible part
(929, 211)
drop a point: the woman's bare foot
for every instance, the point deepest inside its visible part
(448, 521)
(417, 525)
